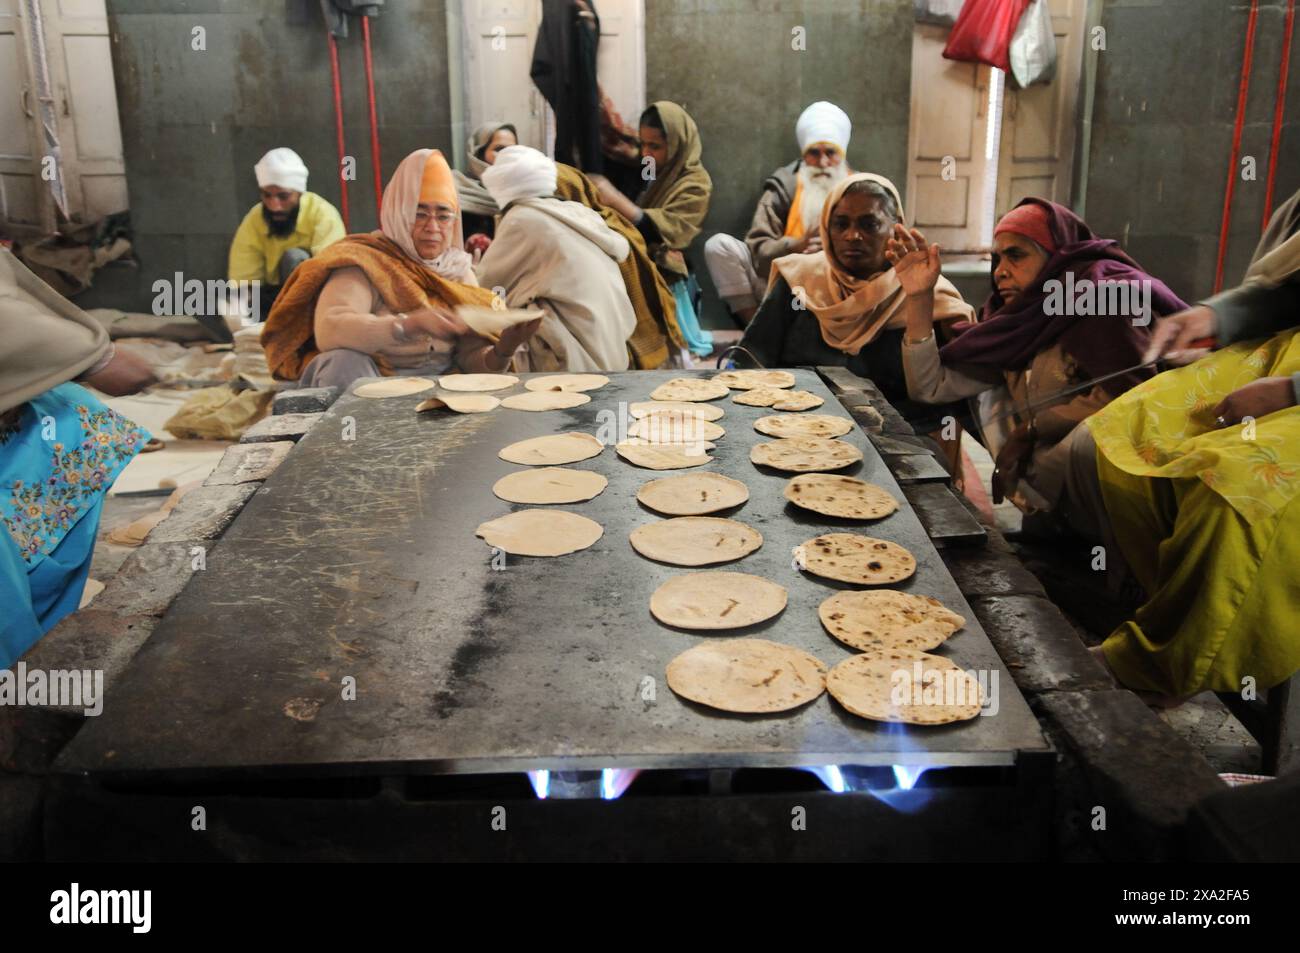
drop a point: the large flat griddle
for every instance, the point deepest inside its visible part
(358, 558)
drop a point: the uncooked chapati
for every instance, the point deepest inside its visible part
(849, 557)
(842, 496)
(716, 600)
(553, 450)
(663, 456)
(802, 454)
(545, 400)
(885, 619)
(550, 485)
(393, 387)
(803, 425)
(540, 532)
(643, 408)
(461, 403)
(671, 427)
(567, 382)
(904, 686)
(693, 494)
(695, 540)
(751, 379)
(747, 675)
(477, 382)
(689, 389)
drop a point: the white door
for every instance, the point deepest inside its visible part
(965, 117)
(60, 46)
(1038, 128)
(500, 36)
(81, 68)
(25, 199)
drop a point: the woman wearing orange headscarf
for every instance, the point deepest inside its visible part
(382, 302)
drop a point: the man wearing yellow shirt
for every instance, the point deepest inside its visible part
(282, 231)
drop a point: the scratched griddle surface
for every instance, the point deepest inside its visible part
(358, 558)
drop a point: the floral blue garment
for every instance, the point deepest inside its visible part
(54, 472)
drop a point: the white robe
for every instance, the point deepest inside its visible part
(561, 257)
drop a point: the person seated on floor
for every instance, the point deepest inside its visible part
(786, 221)
(671, 209)
(288, 226)
(1032, 343)
(383, 302)
(560, 257)
(60, 450)
(1197, 475)
(652, 300)
(843, 305)
(477, 210)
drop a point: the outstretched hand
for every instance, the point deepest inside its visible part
(916, 264)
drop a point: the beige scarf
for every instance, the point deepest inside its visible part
(852, 311)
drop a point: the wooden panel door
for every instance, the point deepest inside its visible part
(946, 143)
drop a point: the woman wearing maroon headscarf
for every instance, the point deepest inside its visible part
(1066, 308)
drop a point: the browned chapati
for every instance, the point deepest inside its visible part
(849, 557)
(842, 496)
(909, 687)
(825, 426)
(885, 619)
(747, 675)
(802, 454)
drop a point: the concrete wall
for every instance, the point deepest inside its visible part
(195, 122)
(1162, 133)
(730, 64)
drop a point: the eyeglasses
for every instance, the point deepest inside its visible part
(442, 216)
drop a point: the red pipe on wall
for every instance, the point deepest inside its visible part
(1243, 89)
(338, 127)
(374, 121)
(1277, 112)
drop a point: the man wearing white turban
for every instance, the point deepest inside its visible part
(786, 221)
(562, 258)
(288, 226)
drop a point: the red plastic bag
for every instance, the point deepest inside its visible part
(983, 31)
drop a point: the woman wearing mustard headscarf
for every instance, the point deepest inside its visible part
(1199, 470)
(383, 302)
(671, 210)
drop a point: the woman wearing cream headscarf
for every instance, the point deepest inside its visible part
(843, 305)
(382, 303)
